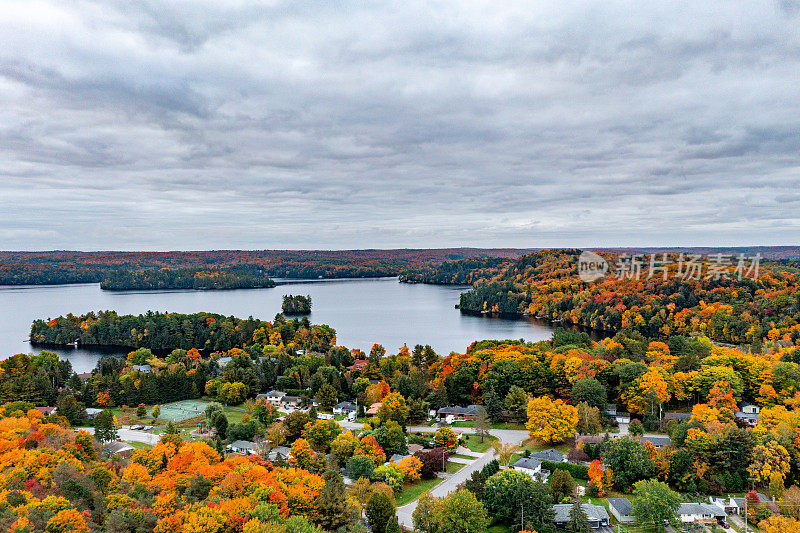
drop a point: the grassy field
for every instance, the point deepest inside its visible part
(412, 492)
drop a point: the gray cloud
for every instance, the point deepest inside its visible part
(192, 125)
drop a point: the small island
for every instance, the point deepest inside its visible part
(296, 305)
(187, 278)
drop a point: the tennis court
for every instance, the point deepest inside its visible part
(179, 411)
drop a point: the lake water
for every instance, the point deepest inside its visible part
(363, 312)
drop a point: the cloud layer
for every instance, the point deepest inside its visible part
(201, 125)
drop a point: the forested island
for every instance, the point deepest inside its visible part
(459, 272)
(296, 304)
(187, 278)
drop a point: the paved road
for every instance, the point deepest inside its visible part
(449, 484)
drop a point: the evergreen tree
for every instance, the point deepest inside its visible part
(104, 428)
(334, 510)
(578, 521)
(494, 405)
(380, 511)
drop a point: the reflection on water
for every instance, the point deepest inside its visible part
(363, 312)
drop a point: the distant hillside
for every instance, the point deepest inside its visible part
(60, 267)
(726, 309)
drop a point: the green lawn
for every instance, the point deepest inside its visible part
(459, 456)
(412, 492)
(452, 467)
(140, 445)
(474, 444)
(499, 528)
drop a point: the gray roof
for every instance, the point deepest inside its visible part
(657, 440)
(593, 512)
(117, 446)
(527, 462)
(468, 410)
(678, 416)
(622, 505)
(93, 411)
(702, 509)
(244, 444)
(345, 405)
(143, 368)
(551, 455)
(746, 416)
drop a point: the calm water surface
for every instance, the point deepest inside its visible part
(363, 312)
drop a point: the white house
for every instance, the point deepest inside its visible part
(532, 467)
(245, 447)
(344, 408)
(274, 397)
(92, 412)
(622, 509)
(325, 416)
(700, 512)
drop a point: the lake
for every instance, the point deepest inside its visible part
(363, 312)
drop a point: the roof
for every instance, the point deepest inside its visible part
(142, 368)
(345, 405)
(414, 448)
(117, 447)
(657, 440)
(222, 361)
(276, 394)
(396, 458)
(291, 399)
(747, 416)
(622, 505)
(552, 455)
(527, 462)
(46, 410)
(244, 444)
(456, 410)
(595, 513)
(374, 408)
(702, 509)
(93, 411)
(678, 416)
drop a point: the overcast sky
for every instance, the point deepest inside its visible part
(327, 124)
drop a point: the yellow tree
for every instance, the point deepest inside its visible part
(769, 460)
(647, 391)
(551, 421)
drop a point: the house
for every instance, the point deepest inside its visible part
(325, 416)
(277, 451)
(344, 408)
(291, 401)
(730, 504)
(597, 515)
(359, 364)
(84, 376)
(274, 397)
(223, 361)
(700, 512)
(458, 413)
(244, 447)
(118, 448)
(622, 510)
(673, 415)
(658, 441)
(622, 417)
(750, 409)
(610, 409)
(46, 411)
(748, 414)
(552, 455)
(374, 408)
(144, 369)
(92, 412)
(532, 467)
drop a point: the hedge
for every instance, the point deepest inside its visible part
(577, 471)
